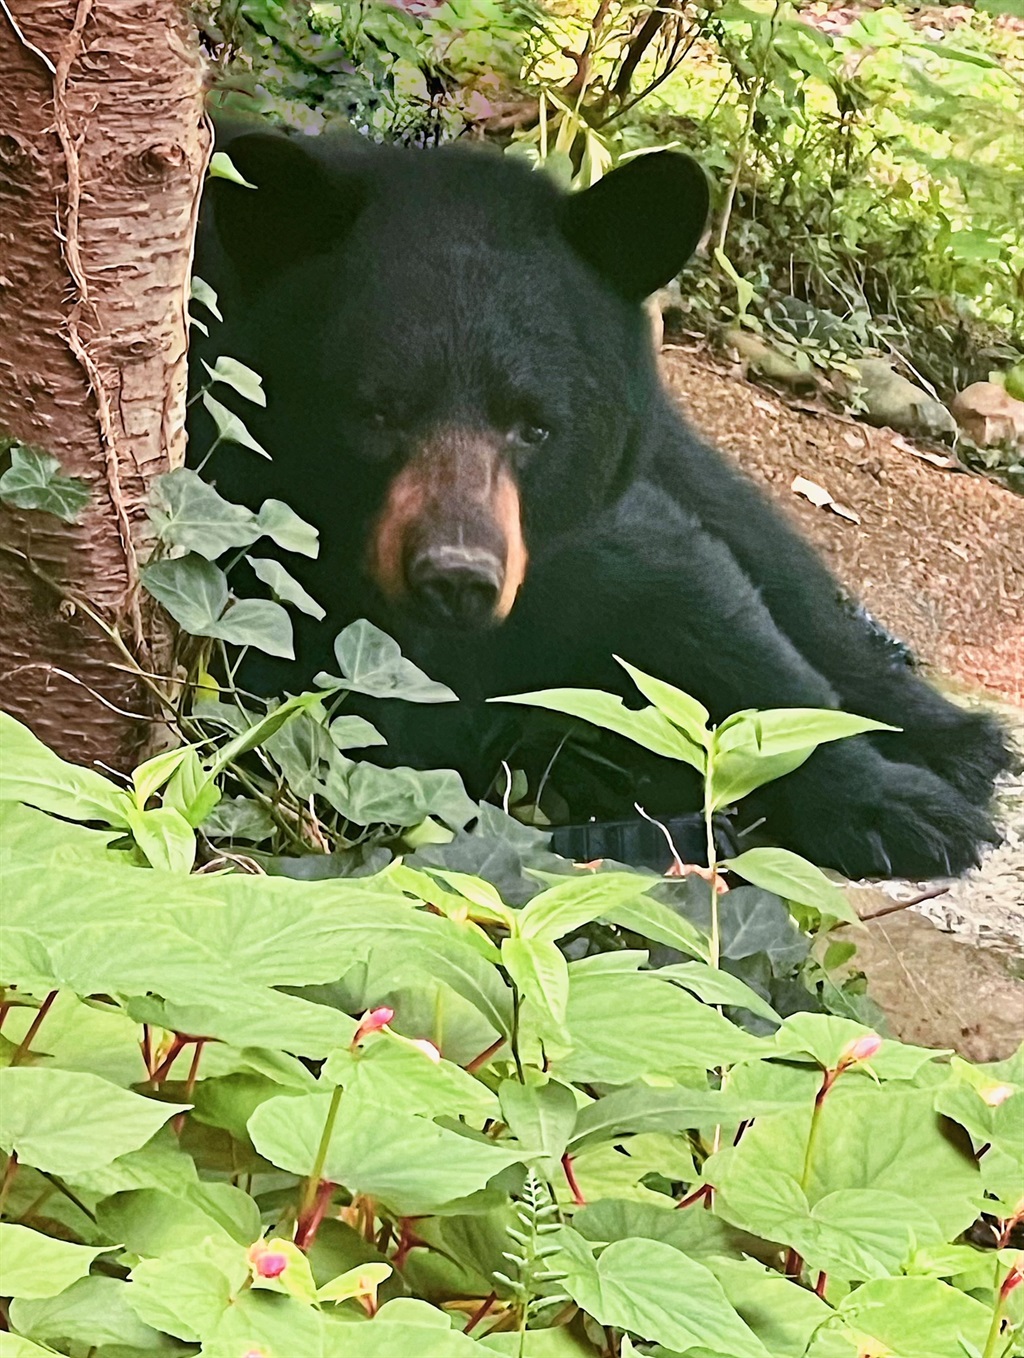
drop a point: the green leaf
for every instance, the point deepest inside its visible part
(281, 524)
(576, 901)
(826, 1037)
(684, 712)
(165, 837)
(90, 1313)
(192, 590)
(230, 427)
(540, 974)
(541, 1117)
(372, 663)
(33, 1265)
(753, 748)
(257, 622)
(794, 879)
(154, 1221)
(647, 727)
(355, 1282)
(203, 294)
(32, 773)
(221, 167)
(656, 1293)
(186, 1292)
(33, 481)
(409, 1163)
(629, 1025)
(715, 986)
(285, 587)
(231, 373)
(64, 1122)
(188, 513)
(914, 1318)
(368, 794)
(389, 1072)
(14, 1346)
(350, 732)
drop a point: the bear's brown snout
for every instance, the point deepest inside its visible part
(449, 539)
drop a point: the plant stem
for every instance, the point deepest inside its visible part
(309, 1192)
(24, 1046)
(10, 1170)
(712, 852)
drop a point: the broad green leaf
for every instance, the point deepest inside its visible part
(388, 1071)
(150, 776)
(372, 663)
(641, 1108)
(992, 1114)
(280, 522)
(230, 427)
(361, 1281)
(656, 1293)
(410, 1163)
(242, 379)
(753, 748)
(64, 1122)
(647, 727)
(153, 1221)
(165, 837)
(193, 591)
(92, 1313)
(370, 795)
(630, 1025)
(33, 481)
(715, 986)
(32, 773)
(274, 1326)
(826, 1037)
(541, 975)
(783, 1315)
(14, 1346)
(221, 167)
(350, 732)
(187, 512)
(914, 1318)
(285, 587)
(186, 1292)
(96, 1037)
(34, 1265)
(794, 879)
(684, 712)
(576, 901)
(541, 1117)
(661, 924)
(256, 622)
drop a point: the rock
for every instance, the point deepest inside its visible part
(657, 319)
(988, 415)
(758, 356)
(892, 400)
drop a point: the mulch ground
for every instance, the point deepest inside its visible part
(937, 556)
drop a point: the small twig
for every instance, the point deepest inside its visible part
(905, 905)
(74, 679)
(25, 1045)
(679, 865)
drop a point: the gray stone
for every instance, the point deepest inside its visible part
(989, 415)
(892, 400)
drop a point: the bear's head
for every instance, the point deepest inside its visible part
(456, 356)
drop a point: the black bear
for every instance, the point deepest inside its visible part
(463, 398)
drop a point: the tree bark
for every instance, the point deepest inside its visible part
(103, 148)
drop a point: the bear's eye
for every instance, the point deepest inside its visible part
(528, 435)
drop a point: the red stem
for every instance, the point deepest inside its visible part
(480, 1312)
(190, 1084)
(481, 1060)
(25, 1044)
(819, 1286)
(308, 1224)
(701, 1194)
(793, 1266)
(570, 1179)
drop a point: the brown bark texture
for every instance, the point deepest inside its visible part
(103, 147)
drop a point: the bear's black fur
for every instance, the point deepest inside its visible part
(463, 398)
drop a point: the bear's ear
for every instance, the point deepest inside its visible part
(296, 208)
(640, 224)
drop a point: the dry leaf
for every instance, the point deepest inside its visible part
(810, 490)
(844, 511)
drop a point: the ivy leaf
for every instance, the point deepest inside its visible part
(284, 586)
(193, 591)
(260, 623)
(236, 375)
(280, 522)
(33, 481)
(205, 295)
(372, 663)
(231, 427)
(187, 512)
(222, 167)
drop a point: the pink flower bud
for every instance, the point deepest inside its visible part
(427, 1048)
(997, 1094)
(372, 1022)
(270, 1264)
(860, 1049)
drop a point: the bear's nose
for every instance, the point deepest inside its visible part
(458, 585)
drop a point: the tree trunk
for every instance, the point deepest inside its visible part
(103, 147)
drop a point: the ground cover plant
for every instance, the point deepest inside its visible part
(244, 1115)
